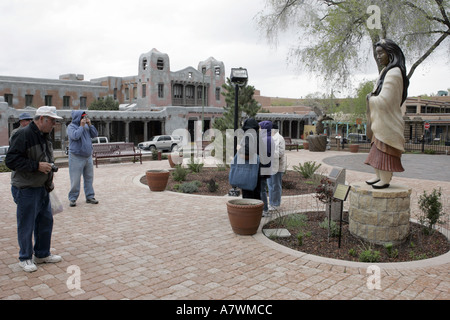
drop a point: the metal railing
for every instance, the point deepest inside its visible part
(429, 148)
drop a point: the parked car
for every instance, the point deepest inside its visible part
(162, 143)
(3, 151)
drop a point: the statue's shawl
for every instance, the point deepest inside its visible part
(385, 112)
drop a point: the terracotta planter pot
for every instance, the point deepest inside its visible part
(354, 148)
(174, 159)
(305, 145)
(245, 215)
(157, 179)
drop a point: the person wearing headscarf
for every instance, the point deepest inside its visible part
(385, 125)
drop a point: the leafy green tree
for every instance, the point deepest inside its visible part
(335, 38)
(105, 104)
(247, 106)
(356, 107)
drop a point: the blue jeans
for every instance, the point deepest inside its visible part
(275, 189)
(34, 215)
(264, 193)
(81, 166)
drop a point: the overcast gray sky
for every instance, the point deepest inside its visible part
(47, 38)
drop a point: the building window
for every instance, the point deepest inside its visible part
(134, 93)
(83, 102)
(144, 64)
(28, 100)
(127, 94)
(9, 99)
(144, 90)
(199, 92)
(66, 102)
(178, 91)
(217, 71)
(115, 93)
(218, 94)
(160, 90)
(48, 100)
(160, 64)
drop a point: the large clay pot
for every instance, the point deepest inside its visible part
(354, 148)
(305, 145)
(174, 159)
(157, 179)
(245, 215)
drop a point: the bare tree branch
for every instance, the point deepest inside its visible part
(426, 55)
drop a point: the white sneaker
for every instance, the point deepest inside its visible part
(53, 258)
(28, 265)
(274, 208)
(266, 213)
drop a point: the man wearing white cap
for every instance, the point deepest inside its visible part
(30, 156)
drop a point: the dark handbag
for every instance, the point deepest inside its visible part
(244, 173)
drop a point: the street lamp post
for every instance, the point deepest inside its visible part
(203, 98)
(239, 78)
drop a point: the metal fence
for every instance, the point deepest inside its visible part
(409, 147)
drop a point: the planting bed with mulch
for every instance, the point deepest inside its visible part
(316, 239)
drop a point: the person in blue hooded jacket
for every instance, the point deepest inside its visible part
(80, 132)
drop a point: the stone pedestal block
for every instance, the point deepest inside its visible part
(380, 216)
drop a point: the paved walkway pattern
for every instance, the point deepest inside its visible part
(138, 244)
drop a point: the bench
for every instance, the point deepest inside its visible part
(289, 145)
(115, 150)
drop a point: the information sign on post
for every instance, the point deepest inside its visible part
(340, 194)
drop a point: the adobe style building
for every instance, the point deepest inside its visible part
(155, 101)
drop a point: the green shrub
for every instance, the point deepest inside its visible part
(334, 228)
(431, 207)
(195, 166)
(179, 173)
(393, 253)
(369, 255)
(4, 168)
(307, 169)
(190, 187)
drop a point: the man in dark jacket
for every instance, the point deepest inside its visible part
(30, 156)
(80, 132)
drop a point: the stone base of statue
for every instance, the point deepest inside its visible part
(380, 216)
(317, 143)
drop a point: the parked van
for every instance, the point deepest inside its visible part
(357, 137)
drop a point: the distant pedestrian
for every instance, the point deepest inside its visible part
(80, 132)
(24, 119)
(30, 156)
